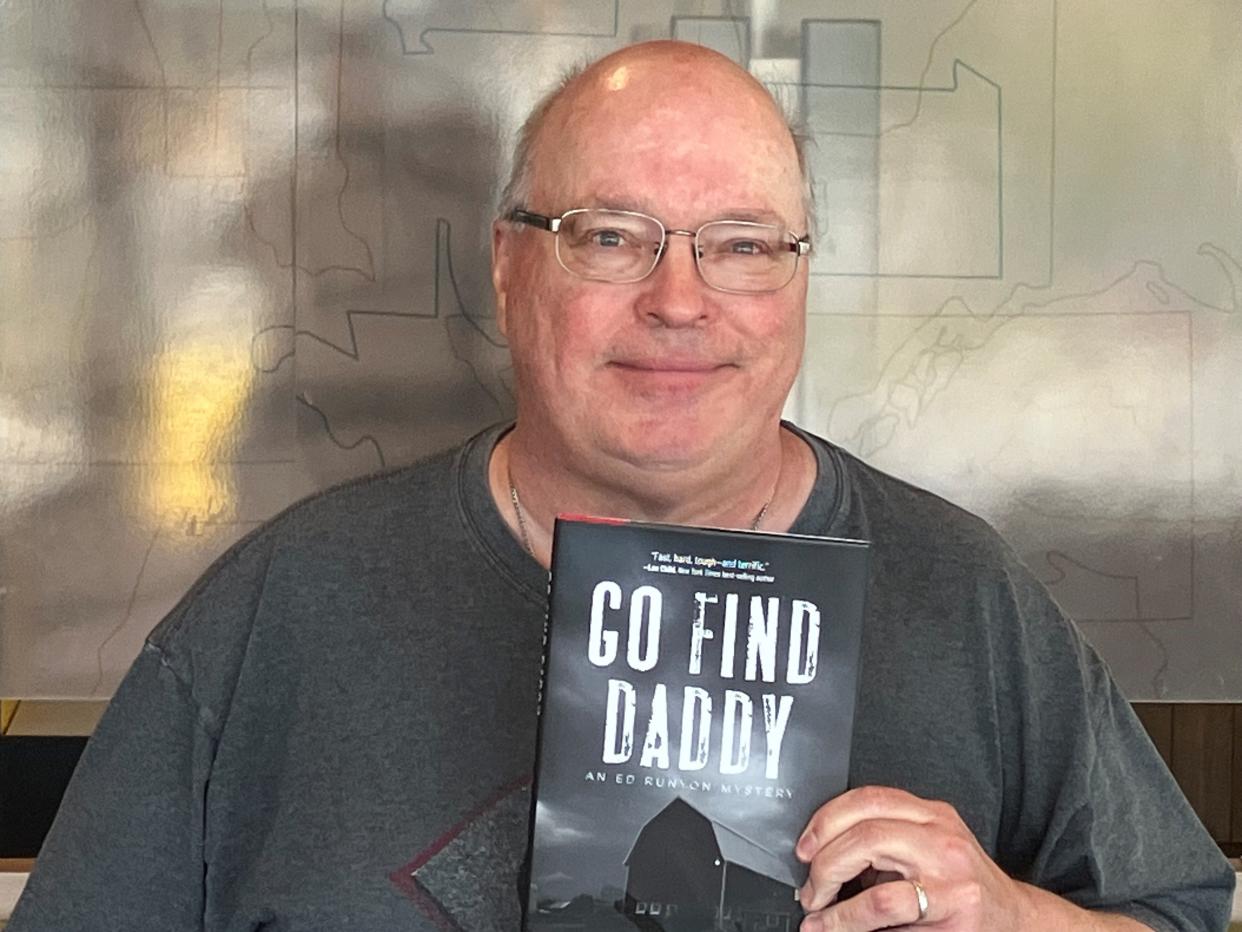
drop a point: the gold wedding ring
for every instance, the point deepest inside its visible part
(922, 895)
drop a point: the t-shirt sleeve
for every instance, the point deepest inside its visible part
(1118, 834)
(126, 849)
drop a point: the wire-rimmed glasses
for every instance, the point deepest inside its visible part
(623, 246)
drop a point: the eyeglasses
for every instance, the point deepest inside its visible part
(622, 246)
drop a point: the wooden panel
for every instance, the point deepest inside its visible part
(1237, 775)
(1203, 762)
(1157, 718)
(55, 717)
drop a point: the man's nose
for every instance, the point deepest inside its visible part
(675, 294)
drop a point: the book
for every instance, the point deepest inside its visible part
(696, 709)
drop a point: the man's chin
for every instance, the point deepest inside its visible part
(666, 448)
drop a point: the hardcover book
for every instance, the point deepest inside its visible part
(697, 708)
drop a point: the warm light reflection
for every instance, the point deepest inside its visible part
(206, 133)
(619, 78)
(198, 388)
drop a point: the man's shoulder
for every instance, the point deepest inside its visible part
(358, 509)
(368, 503)
(931, 554)
(332, 534)
(896, 514)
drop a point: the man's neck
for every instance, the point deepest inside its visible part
(768, 488)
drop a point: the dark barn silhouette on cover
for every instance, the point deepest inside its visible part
(689, 873)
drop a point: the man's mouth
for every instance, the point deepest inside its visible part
(669, 376)
(671, 364)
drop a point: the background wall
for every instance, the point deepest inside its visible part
(243, 255)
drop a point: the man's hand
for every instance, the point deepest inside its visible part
(904, 844)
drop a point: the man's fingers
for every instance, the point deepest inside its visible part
(860, 804)
(883, 906)
(873, 877)
(882, 844)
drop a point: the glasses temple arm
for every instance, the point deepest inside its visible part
(517, 215)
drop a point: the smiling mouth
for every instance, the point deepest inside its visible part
(670, 378)
(671, 366)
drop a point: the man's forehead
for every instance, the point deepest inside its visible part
(681, 192)
(651, 143)
(649, 100)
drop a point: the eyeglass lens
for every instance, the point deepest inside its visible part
(620, 246)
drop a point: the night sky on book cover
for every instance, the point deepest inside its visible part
(698, 704)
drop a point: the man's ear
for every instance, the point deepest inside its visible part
(501, 247)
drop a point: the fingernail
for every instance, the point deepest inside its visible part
(805, 847)
(806, 894)
(811, 924)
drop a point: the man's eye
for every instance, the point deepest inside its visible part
(606, 238)
(747, 247)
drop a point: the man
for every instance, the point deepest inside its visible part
(336, 728)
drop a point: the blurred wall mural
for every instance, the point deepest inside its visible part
(244, 255)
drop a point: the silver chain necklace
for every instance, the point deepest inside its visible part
(517, 509)
(525, 534)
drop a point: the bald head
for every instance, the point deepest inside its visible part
(692, 84)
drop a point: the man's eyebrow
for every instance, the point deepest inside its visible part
(752, 214)
(612, 203)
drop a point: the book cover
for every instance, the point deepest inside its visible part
(697, 708)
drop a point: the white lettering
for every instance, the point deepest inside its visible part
(602, 647)
(692, 755)
(775, 719)
(646, 605)
(655, 745)
(699, 632)
(729, 636)
(801, 670)
(761, 639)
(619, 742)
(735, 742)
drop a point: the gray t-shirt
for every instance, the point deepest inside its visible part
(335, 728)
